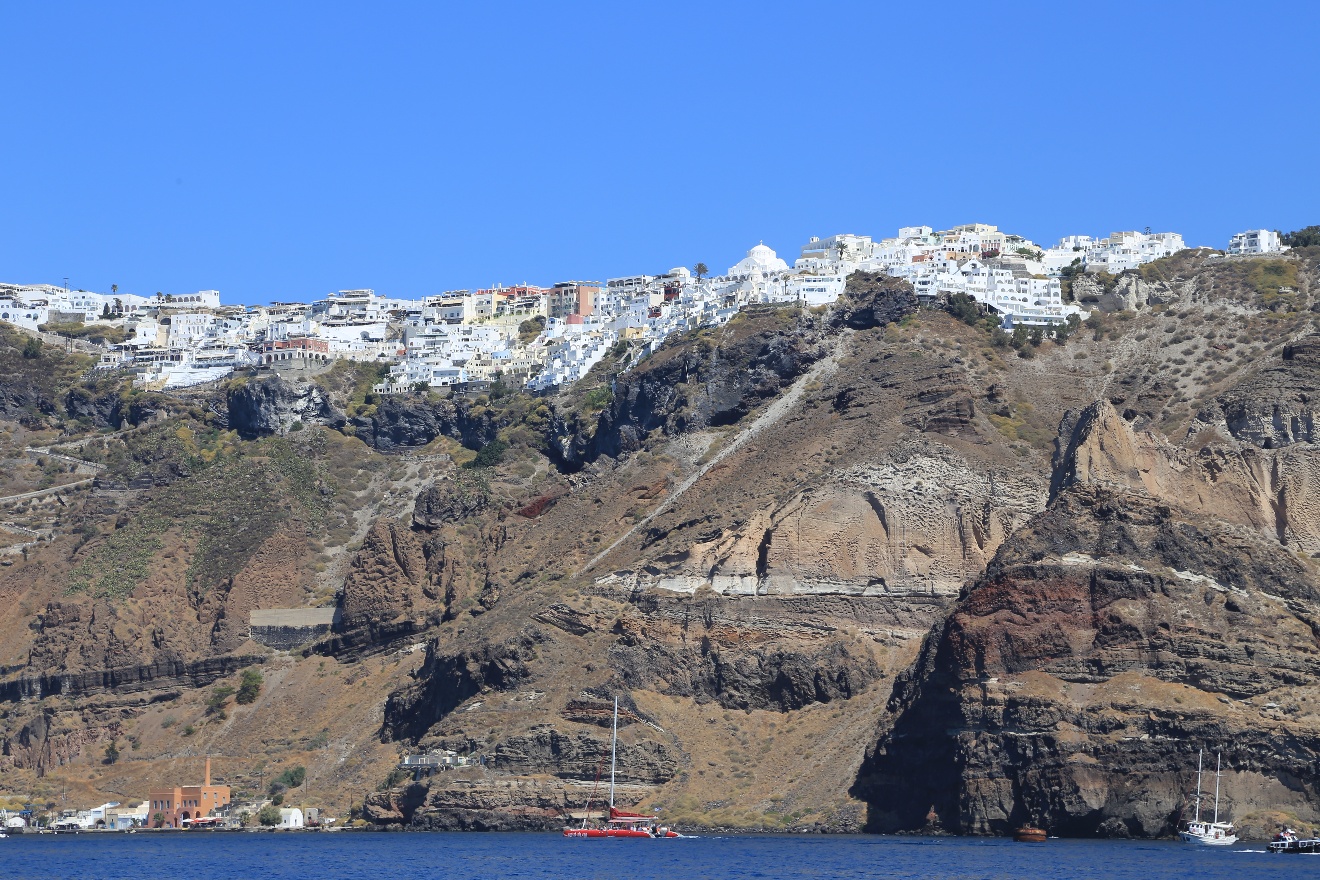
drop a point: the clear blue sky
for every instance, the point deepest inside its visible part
(281, 151)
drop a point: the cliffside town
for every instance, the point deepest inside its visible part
(909, 551)
(548, 337)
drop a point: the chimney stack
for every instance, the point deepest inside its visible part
(208, 770)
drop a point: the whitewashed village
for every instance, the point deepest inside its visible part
(545, 338)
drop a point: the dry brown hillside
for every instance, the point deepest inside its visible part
(794, 546)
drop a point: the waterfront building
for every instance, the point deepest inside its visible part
(183, 803)
(290, 818)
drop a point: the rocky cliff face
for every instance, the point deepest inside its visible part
(1165, 601)
(274, 404)
(408, 421)
(388, 586)
(1107, 545)
(1255, 466)
(1074, 690)
(530, 782)
(446, 680)
(717, 377)
(1278, 406)
(919, 521)
(873, 299)
(714, 381)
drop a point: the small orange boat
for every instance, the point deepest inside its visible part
(1029, 834)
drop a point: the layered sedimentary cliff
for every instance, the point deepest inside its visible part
(1166, 601)
(1017, 583)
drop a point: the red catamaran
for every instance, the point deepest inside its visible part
(620, 823)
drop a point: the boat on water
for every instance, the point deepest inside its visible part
(1214, 832)
(1029, 834)
(1287, 841)
(620, 823)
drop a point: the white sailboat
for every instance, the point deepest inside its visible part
(1213, 833)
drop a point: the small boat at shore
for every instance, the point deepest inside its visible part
(620, 824)
(1213, 833)
(1029, 834)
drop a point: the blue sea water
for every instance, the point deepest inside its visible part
(494, 856)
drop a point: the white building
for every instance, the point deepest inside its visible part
(815, 289)
(186, 328)
(1117, 253)
(290, 818)
(22, 314)
(202, 299)
(835, 250)
(759, 259)
(1256, 241)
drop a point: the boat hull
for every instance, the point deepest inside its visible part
(1297, 847)
(629, 833)
(1029, 835)
(1207, 841)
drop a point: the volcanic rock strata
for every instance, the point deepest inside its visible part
(1156, 607)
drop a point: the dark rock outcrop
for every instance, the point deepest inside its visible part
(102, 410)
(273, 405)
(754, 678)
(446, 680)
(410, 421)
(524, 782)
(455, 497)
(125, 679)
(693, 383)
(873, 299)
(785, 656)
(577, 755)
(711, 379)
(395, 806)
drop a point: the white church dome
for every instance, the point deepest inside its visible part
(761, 258)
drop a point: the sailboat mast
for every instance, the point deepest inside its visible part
(1218, 762)
(1199, 756)
(614, 745)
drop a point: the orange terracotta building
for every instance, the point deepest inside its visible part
(187, 802)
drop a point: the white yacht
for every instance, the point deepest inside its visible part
(1214, 832)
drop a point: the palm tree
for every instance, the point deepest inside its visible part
(700, 270)
(842, 248)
